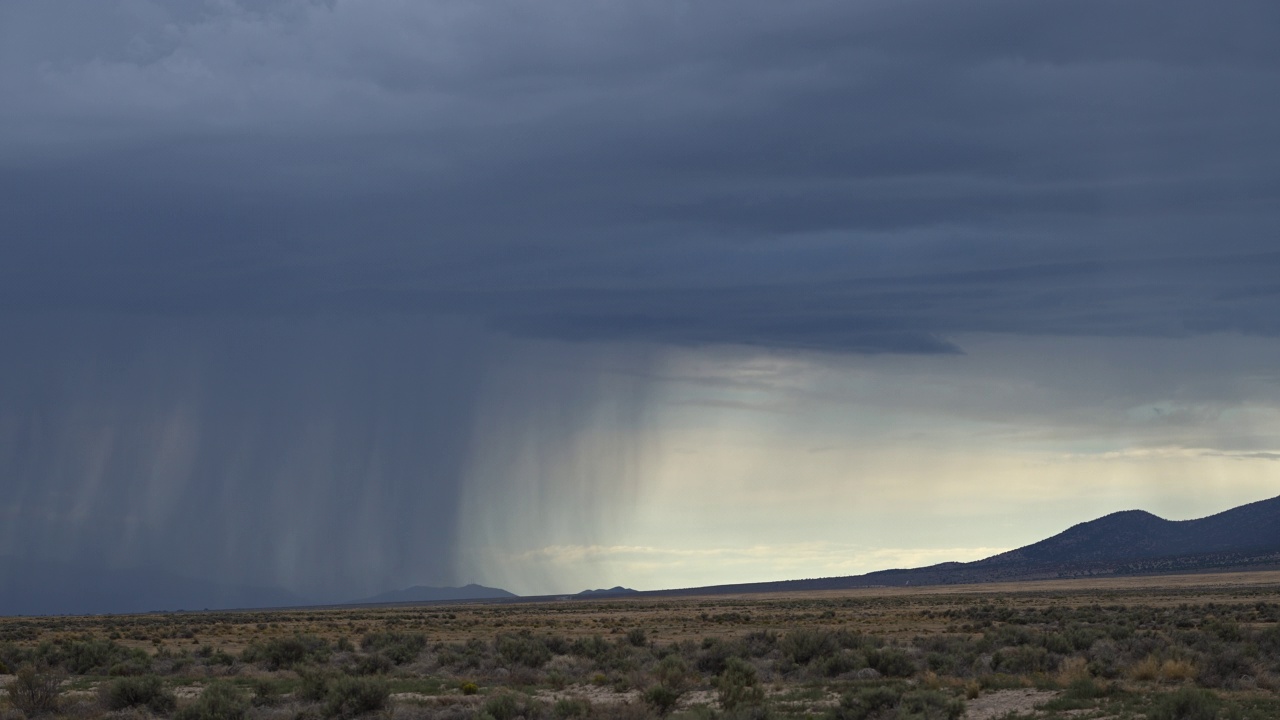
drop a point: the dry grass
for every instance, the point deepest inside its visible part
(963, 641)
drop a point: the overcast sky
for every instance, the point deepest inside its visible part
(350, 295)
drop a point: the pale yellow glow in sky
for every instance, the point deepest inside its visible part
(752, 467)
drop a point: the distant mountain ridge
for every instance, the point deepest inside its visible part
(424, 593)
(1136, 534)
(614, 591)
(1132, 542)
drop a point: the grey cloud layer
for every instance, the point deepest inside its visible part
(321, 455)
(848, 176)
(229, 230)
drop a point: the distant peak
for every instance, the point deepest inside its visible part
(615, 590)
(426, 593)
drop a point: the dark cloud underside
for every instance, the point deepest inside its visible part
(819, 175)
(259, 260)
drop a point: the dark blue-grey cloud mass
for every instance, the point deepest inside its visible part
(850, 176)
(294, 225)
(322, 455)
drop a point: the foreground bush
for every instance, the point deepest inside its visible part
(509, 706)
(896, 702)
(314, 685)
(399, 648)
(672, 673)
(891, 662)
(804, 645)
(266, 692)
(287, 653)
(146, 691)
(738, 686)
(662, 699)
(219, 701)
(35, 691)
(1187, 704)
(349, 697)
(522, 649)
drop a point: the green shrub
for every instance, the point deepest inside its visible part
(400, 648)
(738, 685)
(469, 688)
(464, 656)
(144, 691)
(349, 697)
(929, 705)
(376, 664)
(266, 692)
(760, 642)
(95, 656)
(805, 645)
(672, 673)
(219, 701)
(1022, 660)
(287, 653)
(1186, 704)
(662, 699)
(509, 706)
(503, 706)
(569, 708)
(522, 649)
(35, 690)
(748, 712)
(716, 654)
(1224, 669)
(1085, 688)
(591, 648)
(888, 701)
(841, 663)
(130, 668)
(314, 685)
(891, 662)
(865, 703)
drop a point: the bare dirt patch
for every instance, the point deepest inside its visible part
(595, 694)
(1002, 702)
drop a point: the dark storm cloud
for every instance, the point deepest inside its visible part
(245, 247)
(322, 455)
(816, 175)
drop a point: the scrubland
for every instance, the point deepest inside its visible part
(1196, 649)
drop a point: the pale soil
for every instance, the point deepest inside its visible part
(598, 695)
(423, 699)
(1002, 702)
(188, 692)
(595, 694)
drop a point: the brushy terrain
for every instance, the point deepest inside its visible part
(1180, 653)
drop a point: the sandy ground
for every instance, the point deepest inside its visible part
(596, 694)
(1002, 702)
(604, 696)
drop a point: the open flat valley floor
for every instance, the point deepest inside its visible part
(1191, 646)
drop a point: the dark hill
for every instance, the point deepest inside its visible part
(1134, 534)
(1133, 542)
(423, 593)
(614, 591)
